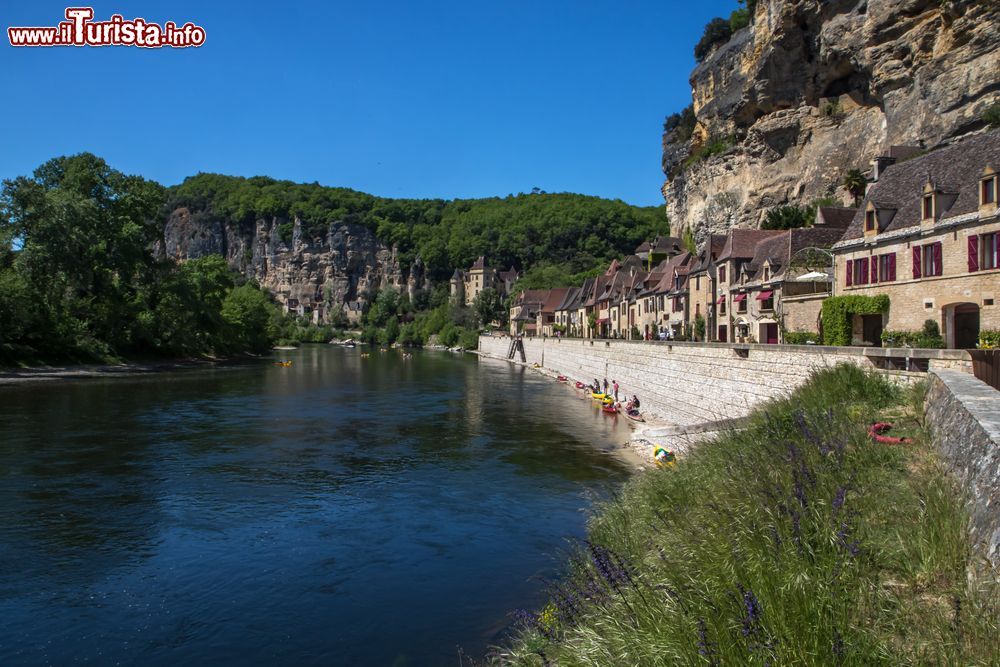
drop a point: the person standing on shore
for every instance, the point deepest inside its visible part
(614, 385)
(605, 385)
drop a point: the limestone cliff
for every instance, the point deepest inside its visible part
(814, 88)
(324, 273)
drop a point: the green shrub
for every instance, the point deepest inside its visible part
(716, 145)
(794, 541)
(801, 337)
(838, 311)
(788, 217)
(680, 125)
(740, 18)
(286, 231)
(929, 337)
(991, 116)
(717, 31)
(989, 339)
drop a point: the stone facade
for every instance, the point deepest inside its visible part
(928, 237)
(963, 414)
(814, 88)
(692, 383)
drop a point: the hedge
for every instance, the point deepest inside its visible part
(989, 339)
(801, 337)
(838, 311)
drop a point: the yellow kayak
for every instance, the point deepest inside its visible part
(598, 396)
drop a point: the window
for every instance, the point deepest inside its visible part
(988, 191)
(857, 271)
(928, 207)
(883, 268)
(984, 251)
(870, 221)
(722, 273)
(768, 303)
(927, 260)
(697, 282)
(741, 303)
(767, 273)
(722, 308)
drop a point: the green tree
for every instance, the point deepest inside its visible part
(717, 31)
(788, 217)
(247, 311)
(855, 183)
(85, 230)
(489, 306)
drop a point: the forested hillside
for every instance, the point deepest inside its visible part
(576, 232)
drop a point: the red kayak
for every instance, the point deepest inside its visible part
(561, 378)
(878, 428)
(610, 409)
(580, 385)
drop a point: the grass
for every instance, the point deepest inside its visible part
(797, 541)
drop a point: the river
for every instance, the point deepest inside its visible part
(341, 511)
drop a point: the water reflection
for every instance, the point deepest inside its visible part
(269, 515)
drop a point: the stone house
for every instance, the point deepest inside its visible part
(769, 298)
(524, 312)
(928, 237)
(546, 315)
(701, 285)
(466, 285)
(568, 312)
(741, 244)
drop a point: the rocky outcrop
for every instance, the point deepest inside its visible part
(322, 273)
(814, 88)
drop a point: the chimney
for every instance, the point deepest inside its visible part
(880, 164)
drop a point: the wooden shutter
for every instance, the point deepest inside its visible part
(864, 272)
(875, 268)
(850, 272)
(973, 252)
(936, 259)
(892, 266)
(916, 261)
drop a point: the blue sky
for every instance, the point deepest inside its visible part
(399, 99)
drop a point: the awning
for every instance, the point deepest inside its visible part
(721, 299)
(764, 296)
(740, 297)
(603, 320)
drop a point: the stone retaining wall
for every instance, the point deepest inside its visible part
(963, 414)
(693, 383)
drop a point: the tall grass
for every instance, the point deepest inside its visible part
(796, 541)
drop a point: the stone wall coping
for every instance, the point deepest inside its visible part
(981, 400)
(909, 352)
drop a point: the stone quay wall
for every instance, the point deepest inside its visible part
(963, 415)
(698, 383)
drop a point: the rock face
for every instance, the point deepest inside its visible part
(322, 274)
(814, 88)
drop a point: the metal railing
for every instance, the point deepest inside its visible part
(986, 366)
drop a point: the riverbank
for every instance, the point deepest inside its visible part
(646, 435)
(15, 376)
(796, 540)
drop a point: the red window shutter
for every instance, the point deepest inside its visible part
(916, 261)
(936, 258)
(850, 272)
(892, 266)
(864, 271)
(973, 252)
(875, 268)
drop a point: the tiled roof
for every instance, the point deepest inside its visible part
(742, 243)
(713, 245)
(554, 299)
(901, 185)
(837, 217)
(478, 264)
